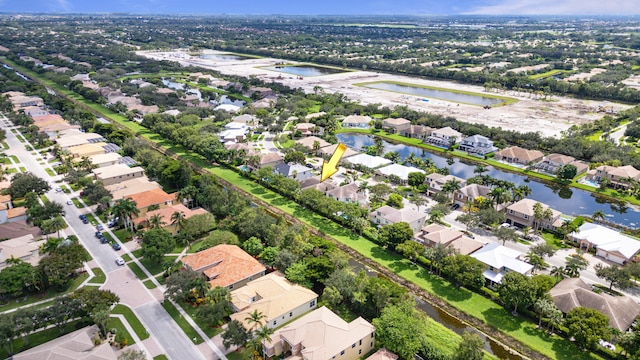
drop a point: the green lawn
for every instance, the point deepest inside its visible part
(132, 319)
(184, 325)
(243, 353)
(122, 334)
(149, 284)
(50, 172)
(155, 267)
(100, 277)
(73, 285)
(466, 301)
(209, 330)
(41, 337)
(136, 270)
(161, 357)
(547, 74)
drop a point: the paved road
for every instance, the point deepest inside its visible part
(619, 133)
(167, 334)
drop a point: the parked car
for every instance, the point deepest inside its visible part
(58, 189)
(119, 261)
(99, 234)
(455, 207)
(82, 216)
(505, 225)
(103, 240)
(100, 227)
(116, 246)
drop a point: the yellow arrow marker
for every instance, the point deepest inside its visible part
(331, 167)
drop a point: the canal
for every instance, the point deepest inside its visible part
(567, 200)
(446, 319)
(441, 94)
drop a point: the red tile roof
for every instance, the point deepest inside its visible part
(224, 264)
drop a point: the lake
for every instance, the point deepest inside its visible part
(435, 94)
(570, 201)
(223, 57)
(304, 70)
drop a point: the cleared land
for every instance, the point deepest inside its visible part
(550, 117)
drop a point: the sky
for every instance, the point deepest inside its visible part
(331, 7)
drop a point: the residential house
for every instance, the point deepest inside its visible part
(477, 144)
(553, 162)
(383, 354)
(395, 125)
(434, 234)
(327, 151)
(401, 171)
(314, 183)
(24, 248)
(322, 335)
(368, 161)
(34, 111)
(152, 200)
(356, 122)
(306, 129)
(445, 137)
(18, 228)
(78, 345)
(234, 132)
(266, 160)
(48, 120)
(246, 119)
(312, 143)
(571, 293)
(388, 215)
(113, 174)
(469, 193)
(416, 132)
(22, 101)
(225, 265)
(274, 297)
(293, 171)
(499, 261)
(522, 214)
(80, 138)
(129, 187)
(608, 243)
(166, 213)
(87, 150)
(13, 214)
(436, 182)
(102, 160)
(518, 155)
(620, 177)
(348, 194)
(312, 115)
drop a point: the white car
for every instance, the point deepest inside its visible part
(58, 189)
(69, 202)
(119, 261)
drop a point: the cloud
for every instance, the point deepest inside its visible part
(560, 7)
(61, 6)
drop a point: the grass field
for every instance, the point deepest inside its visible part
(100, 277)
(184, 325)
(121, 331)
(547, 74)
(132, 319)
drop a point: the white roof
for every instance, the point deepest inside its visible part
(369, 161)
(235, 126)
(399, 170)
(499, 256)
(607, 239)
(228, 107)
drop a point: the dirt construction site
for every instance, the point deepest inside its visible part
(530, 113)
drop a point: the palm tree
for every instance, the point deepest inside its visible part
(499, 196)
(156, 222)
(521, 192)
(450, 187)
(435, 216)
(264, 335)
(57, 224)
(558, 272)
(479, 169)
(189, 194)
(201, 287)
(363, 187)
(177, 220)
(125, 209)
(598, 215)
(255, 319)
(538, 212)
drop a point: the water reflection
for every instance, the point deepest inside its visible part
(569, 201)
(435, 94)
(304, 70)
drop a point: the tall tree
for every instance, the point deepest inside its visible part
(401, 329)
(235, 334)
(617, 276)
(471, 347)
(587, 326)
(517, 290)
